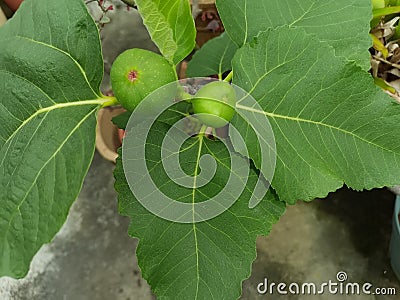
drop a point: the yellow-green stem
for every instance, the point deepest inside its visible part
(229, 77)
(109, 101)
(380, 12)
(203, 130)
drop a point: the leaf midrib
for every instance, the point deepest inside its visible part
(41, 169)
(193, 212)
(296, 119)
(222, 60)
(98, 102)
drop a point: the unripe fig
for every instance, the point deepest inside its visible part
(215, 103)
(136, 73)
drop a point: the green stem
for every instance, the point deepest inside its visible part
(108, 101)
(203, 130)
(380, 12)
(229, 77)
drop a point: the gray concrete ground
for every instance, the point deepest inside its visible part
(348, 231)
(92, 257)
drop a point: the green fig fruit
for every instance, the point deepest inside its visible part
(215, 104)
(136, 73)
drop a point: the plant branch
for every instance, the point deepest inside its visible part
(386, 62)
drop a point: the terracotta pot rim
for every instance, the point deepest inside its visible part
(107, 134)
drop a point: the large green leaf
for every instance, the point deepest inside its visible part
(170, 25)
(213, 58)
(50, 72)
(204, 260)
(331, 124)
(343, 24)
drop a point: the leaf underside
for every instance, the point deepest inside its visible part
(50, 64)
(331, 124)
(170, 25)
(206, 260)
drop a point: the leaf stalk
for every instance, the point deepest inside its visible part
(108, 101)
(229, 77)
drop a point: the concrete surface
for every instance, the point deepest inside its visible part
(92, 257)
(348, 231)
